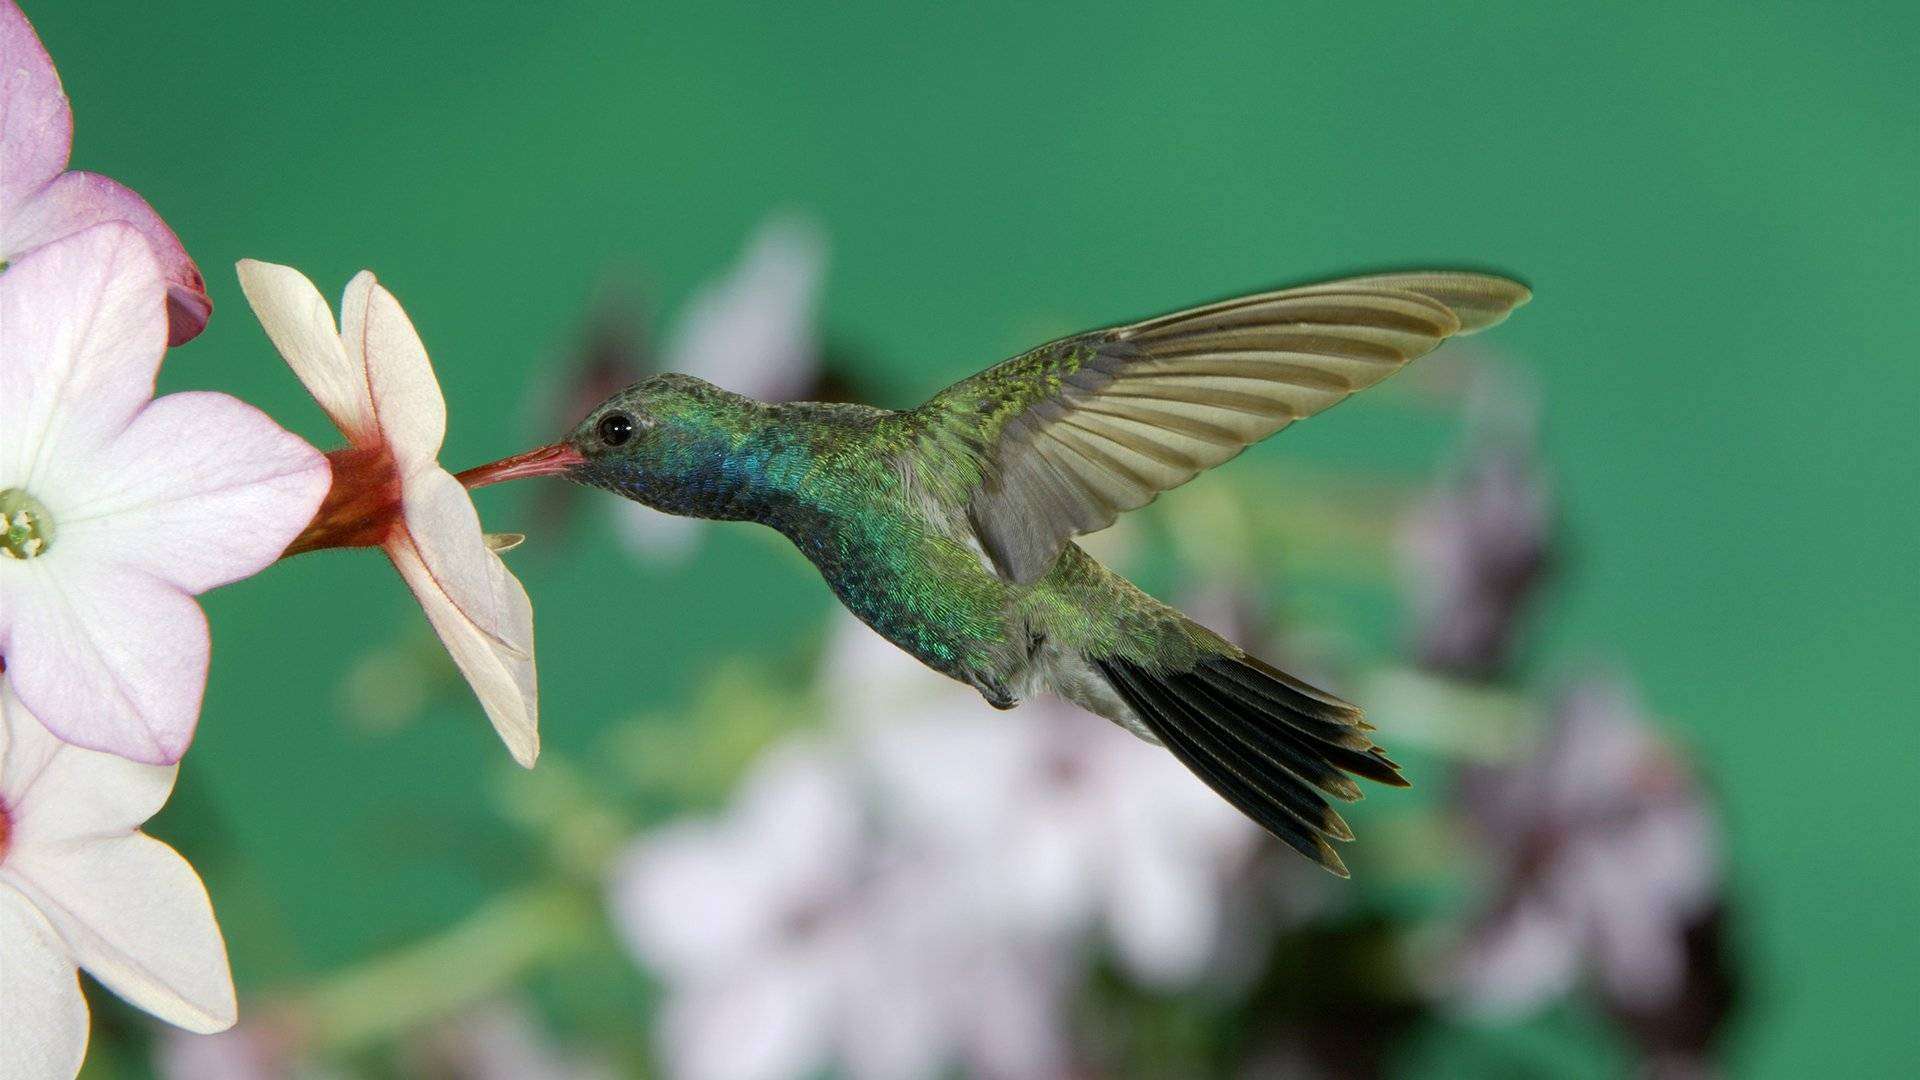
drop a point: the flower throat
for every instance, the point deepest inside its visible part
(26, 529)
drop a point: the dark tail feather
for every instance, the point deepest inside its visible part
(1262, 739)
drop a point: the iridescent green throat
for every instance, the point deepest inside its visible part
(28, 526)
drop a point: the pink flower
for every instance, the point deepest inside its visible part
(41, 203)
(121, 508)
(80, 886)
(372, 376)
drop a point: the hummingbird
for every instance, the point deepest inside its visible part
(949, 528)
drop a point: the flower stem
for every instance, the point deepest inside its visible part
(473, 960)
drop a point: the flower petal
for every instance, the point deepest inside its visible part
(26, 747)
(36, 123)
(407, 403)
(82, 330)
(300, 325)
(79, 200)
(752, 331)
(503, 679)
(202, 489)
(445, 531)
(770, 1021)
(108, 657)
(651, 533)
(46, 1029)
(136, 918)
(61, 793)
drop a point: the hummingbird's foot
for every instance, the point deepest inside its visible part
(996, 694)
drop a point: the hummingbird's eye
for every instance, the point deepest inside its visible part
(616, 428)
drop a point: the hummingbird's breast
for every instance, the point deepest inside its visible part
(894, 564)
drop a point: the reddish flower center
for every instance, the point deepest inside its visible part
(6, 830)
(362, 508)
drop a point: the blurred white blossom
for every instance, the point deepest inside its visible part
(918, 886)
(1604, 854)
(1477, 548)
(1073, 826)
(791, 943)
(502, 1039)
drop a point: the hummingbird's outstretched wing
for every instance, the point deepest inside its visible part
(1059, 441)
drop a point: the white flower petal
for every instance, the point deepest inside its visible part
(300, 325)
(83, 325)
(770, 1024)
(1519, 961)
(136, 917)
(380, 340)
(1164, 908)
(202, 489)
(649, 532)
(502, 678)
(689, 902)
(45, 1031)
(25, 747)
(106, 656)
(60, 793)
(752, 331)
(445, 531)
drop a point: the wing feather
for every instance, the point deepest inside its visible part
(1059, 441)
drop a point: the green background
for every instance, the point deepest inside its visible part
(1714, 204)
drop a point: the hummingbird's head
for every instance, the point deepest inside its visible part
(669, 441)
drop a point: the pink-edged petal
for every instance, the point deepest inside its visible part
(80, 200)
(202, 489)
(60, 793)
(410, 410)
(82, 330)
(36, 123)
(108, 657)
(503, 679)
(300, 325)
(44, 1032)
(137, 918)
(445, 532)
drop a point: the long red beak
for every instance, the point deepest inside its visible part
(545, 461)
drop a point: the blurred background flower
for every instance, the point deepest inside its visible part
(1679, 473)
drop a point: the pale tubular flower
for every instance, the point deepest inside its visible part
(373, 378)
(81, 886)
(41, 203)
(752, 332)
(120, 507)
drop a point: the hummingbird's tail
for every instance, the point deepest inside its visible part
(1260, 738)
